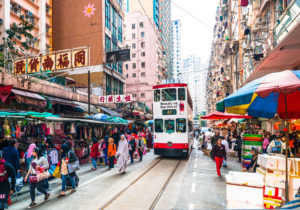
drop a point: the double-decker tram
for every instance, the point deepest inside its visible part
(172, 120)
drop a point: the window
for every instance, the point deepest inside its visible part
(107, 43)
(142, 44)
(159, 124)
(143, 64)
(141, 24)
(133, 36)
(143, 74)
(181, 94)
(181, 125)
(133, 55)
(107, 14)
(121, 88)
(126, 66)
(133, 46)
(116, 86)
(134, 65)
(120, 28)
(133, 26)
(170, 126)
(143, 54)
(143, 95)
(134, 75)
(157, 95)
(108, 84)
(126, 75)
(142, 34)
(169, 94)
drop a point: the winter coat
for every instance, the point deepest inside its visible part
(95, 151)
(11, 155)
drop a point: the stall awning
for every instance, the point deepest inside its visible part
(28, 94)
(109, 111)
(221, 115)
(61, 101)
(24, 97)
(85, 107)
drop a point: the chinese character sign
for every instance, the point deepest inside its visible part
(63, 60)
(33, 65)
(80, 57)
(116, 99)
(54, 61)
(20, 66)
(48, 62)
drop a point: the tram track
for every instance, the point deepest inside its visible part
(158, 194)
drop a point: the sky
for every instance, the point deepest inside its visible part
(195, 37)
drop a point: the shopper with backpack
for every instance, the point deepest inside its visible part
(94, 153)
(132, 147)
(6, 171)
(141, 145)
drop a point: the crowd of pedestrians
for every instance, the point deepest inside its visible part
(107, 151)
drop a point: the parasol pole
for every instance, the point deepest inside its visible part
(286, 153)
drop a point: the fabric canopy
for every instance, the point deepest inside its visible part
(55, 100)
(85, 107)
(109, 111)
(221, 115)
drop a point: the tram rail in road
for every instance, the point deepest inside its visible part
(158, 194)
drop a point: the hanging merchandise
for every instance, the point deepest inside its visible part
(247, 31)
(244, 3)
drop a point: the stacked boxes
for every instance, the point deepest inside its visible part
(250, 141)
(244, 190)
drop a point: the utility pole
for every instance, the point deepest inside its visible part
(89, 83)
(240, 66)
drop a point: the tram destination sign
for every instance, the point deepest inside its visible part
(169, 105)
(118, 56)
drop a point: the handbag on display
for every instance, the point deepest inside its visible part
(72, 167)
(33, 178)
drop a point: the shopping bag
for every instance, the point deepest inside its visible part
(42, 175)
(56, 172)
(33, 178)
(19, 182)
(72, 167)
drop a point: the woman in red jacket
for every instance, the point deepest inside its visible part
(94, 153)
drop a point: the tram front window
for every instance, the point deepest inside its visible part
(169, 94)
(170, 126)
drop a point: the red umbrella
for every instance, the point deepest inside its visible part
(221, 115)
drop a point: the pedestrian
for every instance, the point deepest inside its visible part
(11, 155)
(37, 163)
(215, 138)
(238, 147)
(276, 146)
(67, 156)
(218, 153)
(94, 153)
(28, 156)
(122, 154)
(105, 150)
(225, 143)
(132, 147)
(116, 136)
(102, 146)
(253, 165)
(112, 149)
(229, 140)
(140, 145)
(266, 143)
(7, 181)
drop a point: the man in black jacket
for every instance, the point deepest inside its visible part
(6, 171)
(218, 153)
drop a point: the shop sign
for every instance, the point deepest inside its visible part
(115, 99)
(54, 61)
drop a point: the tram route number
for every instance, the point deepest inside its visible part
(169, 105)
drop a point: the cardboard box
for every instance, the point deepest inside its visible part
(234, 204)
(275, 180)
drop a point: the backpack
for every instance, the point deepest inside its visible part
(3, 173)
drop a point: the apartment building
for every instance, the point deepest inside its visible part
(143, 71)
(176, 42)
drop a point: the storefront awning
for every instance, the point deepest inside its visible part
(61, 101)
(28, 94)
(85, 107)
(109, 111)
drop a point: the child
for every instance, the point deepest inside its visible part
(112, 149)
(102, 146)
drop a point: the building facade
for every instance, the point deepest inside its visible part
(194, 74)
(176, 42)
(143, 71)
(99, 25)
(160, 12)
(251, 39)
(36, 12)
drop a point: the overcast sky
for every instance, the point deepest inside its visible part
(195, 37)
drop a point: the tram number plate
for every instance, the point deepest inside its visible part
(185, 150)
